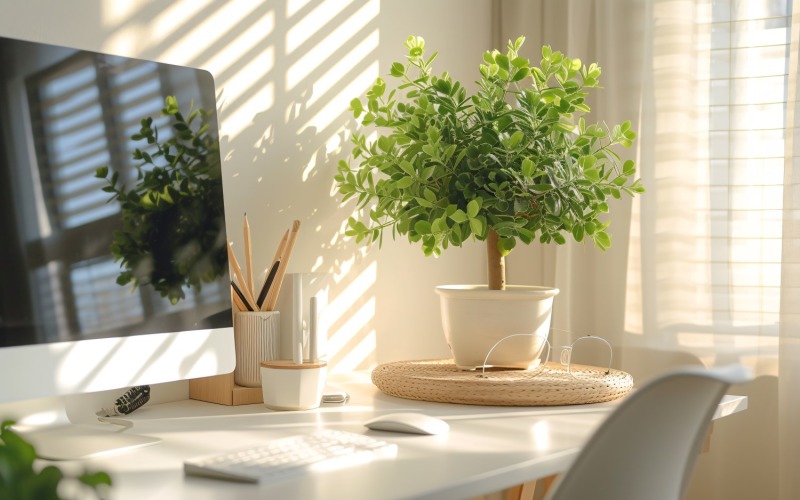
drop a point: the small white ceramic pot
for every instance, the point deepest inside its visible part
(289, 386)
(476, 318)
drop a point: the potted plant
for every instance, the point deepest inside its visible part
(514, 162)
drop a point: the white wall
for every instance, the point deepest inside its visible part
(285, 71)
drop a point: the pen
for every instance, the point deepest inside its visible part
(297, 325)
(313, 356)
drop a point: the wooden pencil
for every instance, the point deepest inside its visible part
(262, 294)
(274, 290)
(248, 257)
(237, 271)
(237, 301)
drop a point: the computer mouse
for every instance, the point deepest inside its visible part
(408, 423)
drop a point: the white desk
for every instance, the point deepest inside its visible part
(487, 449)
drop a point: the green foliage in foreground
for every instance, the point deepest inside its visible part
(20, 480)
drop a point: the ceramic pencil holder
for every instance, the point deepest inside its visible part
(257, 337)
(289, 386)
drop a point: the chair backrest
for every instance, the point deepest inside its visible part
(648, 446)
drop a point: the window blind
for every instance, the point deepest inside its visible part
(747, 96)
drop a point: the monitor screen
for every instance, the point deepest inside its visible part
(111, 213)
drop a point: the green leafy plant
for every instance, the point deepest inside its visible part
(177, 187)
(516, 161)
(20, 479)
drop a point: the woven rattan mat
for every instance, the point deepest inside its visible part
(548, 385)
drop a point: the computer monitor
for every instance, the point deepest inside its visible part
(96, 292)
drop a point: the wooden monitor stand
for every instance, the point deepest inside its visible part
(221, 389)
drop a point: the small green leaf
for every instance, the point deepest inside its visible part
(527, 167)
(356, 107)
(619, 181)
(516, 138)
(476, 226)
(398, 69)
(628, 168)
(505, 245)
(520, 74)
(472, 210)
(526, 235)
(429, 195)
(520, 62)
(422, 227)
(423, 202)
(459, 216)
(407, 167)
(592, 174)
(95, 479)
(502, 61)
(385, 144)
(456, 237)
(587, 161)
(578, 232)
(430, 150)
(602, 240)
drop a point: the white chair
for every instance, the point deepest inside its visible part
(647, 447)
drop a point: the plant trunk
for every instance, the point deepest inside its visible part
(497, 263)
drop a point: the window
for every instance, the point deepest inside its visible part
(747, 96)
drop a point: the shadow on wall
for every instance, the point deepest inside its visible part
(285, 72)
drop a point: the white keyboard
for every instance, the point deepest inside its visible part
(287, 457)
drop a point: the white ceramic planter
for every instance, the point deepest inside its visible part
(476, 318)
(289, 386)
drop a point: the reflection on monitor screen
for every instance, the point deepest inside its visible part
(111, 215)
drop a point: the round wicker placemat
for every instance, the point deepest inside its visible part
(548, 385)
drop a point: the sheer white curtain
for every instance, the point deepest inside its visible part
(789, 357)
(703, 267)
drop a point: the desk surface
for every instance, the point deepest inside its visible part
(486, 450)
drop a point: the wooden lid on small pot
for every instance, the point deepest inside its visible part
(285, 364)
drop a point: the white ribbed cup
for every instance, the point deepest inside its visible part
(257, 336)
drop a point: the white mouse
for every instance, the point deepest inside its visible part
(409, 423)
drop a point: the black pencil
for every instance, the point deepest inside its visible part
(239, 293)
(268, 283)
